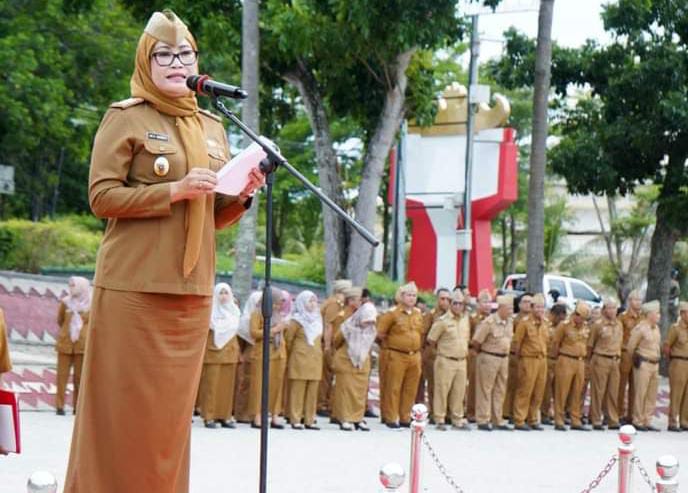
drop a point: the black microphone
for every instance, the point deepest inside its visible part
(202, 84)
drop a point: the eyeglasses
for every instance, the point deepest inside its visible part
(166, 58)
(457, 302)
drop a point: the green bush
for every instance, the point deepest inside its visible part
(29, 246)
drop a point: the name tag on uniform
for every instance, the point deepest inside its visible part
(157, 136)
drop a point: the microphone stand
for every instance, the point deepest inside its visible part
(268, 165)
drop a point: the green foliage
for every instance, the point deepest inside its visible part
(29, 246)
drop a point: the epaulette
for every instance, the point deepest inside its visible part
(210, 115)
(127, 103)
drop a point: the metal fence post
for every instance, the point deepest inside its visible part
(41, 482)
(627, 434)
(392, 476)
(419, 413)
(667, 469)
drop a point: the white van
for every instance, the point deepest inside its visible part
(570, 289)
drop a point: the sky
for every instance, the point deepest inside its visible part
(574, 21)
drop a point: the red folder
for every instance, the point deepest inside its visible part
(9, 422)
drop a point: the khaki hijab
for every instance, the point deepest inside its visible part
(167, 27)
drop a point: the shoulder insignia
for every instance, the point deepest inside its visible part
(127, 103)
(210, 114)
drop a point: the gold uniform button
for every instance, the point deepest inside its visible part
(161, 166)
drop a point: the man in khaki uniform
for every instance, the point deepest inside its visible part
(492, 340)
(524, 309)
(676, 349)
(643, 345)
(557, 314)
(400, 331)
(451, 335)
(604, 353)
(330, 309)
(430, 351)
(530, 342)
(570, 347)
(482, 311)
(629, 319)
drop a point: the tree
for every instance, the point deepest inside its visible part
(538, 155)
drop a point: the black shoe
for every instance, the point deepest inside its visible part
(471, 419)
(405, 425)
(613, 427)
(504, 428)
(312, 427)
(640, 428)
(652, 428)
(673, 428)
(580, 428)
(346, 426)
(227, 424)
(547, 421)
(60, 412)
(523, 427)
(560, 427)
(276, 426)
(537, 427)
(296, 426)
(597, 427)
(394, 426)
(323, 413)
(485, 427)
(196, 412)
(369, 413)
(431, 421)
(254, 425)
(211, 424)
(362, 426)
(684, 428)
(334, 421)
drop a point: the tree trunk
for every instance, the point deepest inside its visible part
(245, 245)
(659, 270)
(360, 251)
(538, 158)
(56, 190)
(328, 169)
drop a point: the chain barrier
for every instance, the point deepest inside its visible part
(440, 466)
(643, 473)
(606, 470)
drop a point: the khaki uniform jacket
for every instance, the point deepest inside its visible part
(143, 245)
(571, 340)
(64, 342)
(677, 339)
(305, 361)
(629, 320)
(256, 327)
(645, 341)
(475, 320)
(452, 334)
(494, 334)
(532, 336)
(401, 330)
(227, 355)
(606, 337)
(5, 364)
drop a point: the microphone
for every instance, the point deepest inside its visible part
(203, 85)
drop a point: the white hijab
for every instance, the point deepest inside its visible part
(245, 323)
(360, 339)
(224, 319)
(311, 321)
(76, 303)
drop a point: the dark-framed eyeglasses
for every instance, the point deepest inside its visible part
(457, 303)
(166, 58)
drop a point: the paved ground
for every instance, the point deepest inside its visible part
(332, 461)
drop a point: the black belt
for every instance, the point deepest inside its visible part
(494, 354)
(684, 358)
(579, 358)
(402, 351)
(452, 357)
(552, 358)
(646, 360)
(615, 358)
(534, 356)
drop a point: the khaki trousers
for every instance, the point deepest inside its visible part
(64, 363)
(450, 389)
(242, 387)
(427, 381)
(470, 393)
(547, 407)
(511, 385)
(490, 377)
(217, 391)
(402, 372)
(625, 406)
(532, 373)
(604, 390)
(303, 397)
(350, 394)
(326, 387)
(275, 387)
(645, 382)
(678, 383)
(569, 376)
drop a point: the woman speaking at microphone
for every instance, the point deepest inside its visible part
(152, 176)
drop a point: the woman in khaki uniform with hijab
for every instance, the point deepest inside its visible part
(221, 360)
(304, 368)
(278, 361)
(353, 341)
(72, 317)
(152, 176)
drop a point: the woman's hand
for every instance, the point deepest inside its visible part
(256, 179)
(199, 182)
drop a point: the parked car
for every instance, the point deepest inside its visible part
(570, 289)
